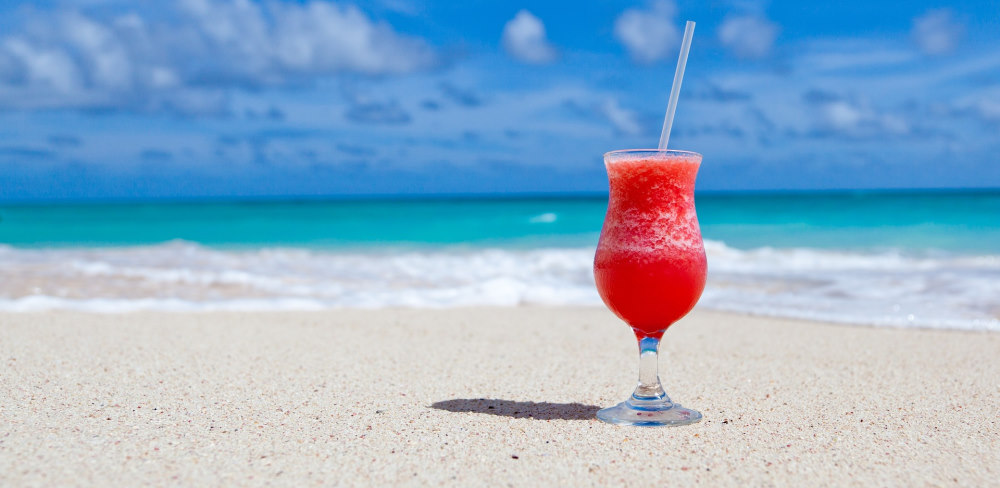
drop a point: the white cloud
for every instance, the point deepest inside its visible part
(649, 34)
(983, 104)
(102, 52)
(315, 37)
(371, 110)
(748, 36)
(841, 115)
(853, 118)
(39, 65)
(851, 55)
(524, 39)
(937, 32)
(989, 109)
(72, 60)
(901, 114)
(625, 121)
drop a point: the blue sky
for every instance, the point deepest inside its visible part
(144, 99)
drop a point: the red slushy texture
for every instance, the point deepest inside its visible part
(650, 265)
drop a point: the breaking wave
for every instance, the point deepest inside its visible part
(890, 287)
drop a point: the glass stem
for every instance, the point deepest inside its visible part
(649, 388)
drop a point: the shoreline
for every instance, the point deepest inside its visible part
(890, 288)
(989, 326)
(486, 395)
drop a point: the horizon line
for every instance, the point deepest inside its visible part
(389, 197)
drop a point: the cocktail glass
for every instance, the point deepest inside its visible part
(650, 266)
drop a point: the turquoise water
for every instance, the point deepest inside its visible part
(957, 222)
(901, 260)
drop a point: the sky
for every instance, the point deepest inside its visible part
(137, 99)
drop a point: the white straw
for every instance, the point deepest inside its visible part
(675, 90)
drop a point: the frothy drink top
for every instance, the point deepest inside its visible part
(651, 206)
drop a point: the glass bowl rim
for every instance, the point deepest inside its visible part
(664, 151)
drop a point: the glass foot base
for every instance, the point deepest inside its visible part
(665, 414)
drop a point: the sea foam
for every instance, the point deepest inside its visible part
(888, 287)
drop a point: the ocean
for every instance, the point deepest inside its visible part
(928, 259)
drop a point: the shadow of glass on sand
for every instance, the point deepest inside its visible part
(520, 410)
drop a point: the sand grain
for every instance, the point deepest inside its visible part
(373, 397)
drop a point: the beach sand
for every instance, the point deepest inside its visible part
(490, 396)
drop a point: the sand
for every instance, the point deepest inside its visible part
(486, 397)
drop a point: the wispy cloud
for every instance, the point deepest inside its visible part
(708, 90)
(836, 114)
(624, 120)
(462, 96)
(65, 140)
(524, 38)
(748, 36)
(356, 150)
(378, 112)
(272, 113)
(853, 56)
(15, 154)
(983, 105)
(937, 32)
(156, 155)
(649, 34)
